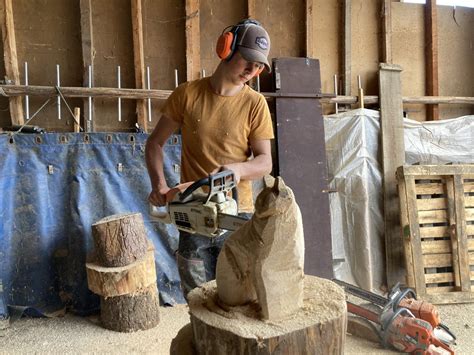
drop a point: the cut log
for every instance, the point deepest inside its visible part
(117, 281)
(119, 239)
(182, 343)
(132, 312)
(319, 327)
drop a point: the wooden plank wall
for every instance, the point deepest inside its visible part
(106, 29)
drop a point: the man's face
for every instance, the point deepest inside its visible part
(240, 70)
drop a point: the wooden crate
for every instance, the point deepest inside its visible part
(437, 219)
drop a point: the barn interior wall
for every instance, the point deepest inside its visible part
(48, 32)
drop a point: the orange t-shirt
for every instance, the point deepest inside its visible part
(216, 130)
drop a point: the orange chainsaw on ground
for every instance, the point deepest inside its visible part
(407, 324)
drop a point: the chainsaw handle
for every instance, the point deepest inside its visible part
(194, 186)
(207, 181)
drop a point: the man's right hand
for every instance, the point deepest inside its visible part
(157, 197)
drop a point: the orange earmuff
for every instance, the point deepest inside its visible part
(224, 45)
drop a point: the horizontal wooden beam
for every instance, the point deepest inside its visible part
(111, 93)
(136, 94)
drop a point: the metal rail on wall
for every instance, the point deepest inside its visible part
(103, 92)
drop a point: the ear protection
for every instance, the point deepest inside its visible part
(226, 43)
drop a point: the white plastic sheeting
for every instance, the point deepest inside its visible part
(355, 172)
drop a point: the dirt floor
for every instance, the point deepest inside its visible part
(78, 335)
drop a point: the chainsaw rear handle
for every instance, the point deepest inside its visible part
(208, 181)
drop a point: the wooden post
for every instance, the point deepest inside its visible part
(387, 31)
(77, 121)
(88, 55)
(393, 155)
(346, 62)
(431, 30)
(310, 52)
(193, 47)
(251, 12)
(11, 60)
(139, 60)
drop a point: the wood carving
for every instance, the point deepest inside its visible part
(263, 261)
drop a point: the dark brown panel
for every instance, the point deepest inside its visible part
(301, 156)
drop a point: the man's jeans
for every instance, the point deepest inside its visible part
(197, 257)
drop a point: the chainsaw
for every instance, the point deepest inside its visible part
(203, 207)
(407, 324)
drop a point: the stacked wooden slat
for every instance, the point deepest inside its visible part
(437, 219)
(122, 272)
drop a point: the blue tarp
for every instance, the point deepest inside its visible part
(53, 187)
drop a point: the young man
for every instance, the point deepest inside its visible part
(225, 125)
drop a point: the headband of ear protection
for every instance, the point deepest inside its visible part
(226, 43)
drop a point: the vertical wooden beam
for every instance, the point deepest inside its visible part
(76, 123)
(139, 60)
(193, 37)
(346, 62)
(431, 31)
(387, 30)
(393, 156)
(88, 54)
(310, 52)
(11, 60)
(251, 11)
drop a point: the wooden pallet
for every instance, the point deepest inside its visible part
(437, 219)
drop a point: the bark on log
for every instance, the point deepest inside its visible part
(117, 281)
(132, 312)
(319, 327)
(119, 239)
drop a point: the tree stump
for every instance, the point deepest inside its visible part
(132, 312)
(118, 281)
(319, 327)
(122, 271)
(119, 239)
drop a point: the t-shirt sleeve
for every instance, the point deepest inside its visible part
(261, 126)
(174, 107)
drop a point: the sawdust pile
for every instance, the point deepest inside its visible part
(323, 302)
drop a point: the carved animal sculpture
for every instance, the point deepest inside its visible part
(263, 261)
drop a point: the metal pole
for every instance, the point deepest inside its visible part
(58, 83)
(148, 87)
(203, 73)
(258, 83)
(335, 93)
(90, 97)
(176, 82)
(27, 98)
(119, 99)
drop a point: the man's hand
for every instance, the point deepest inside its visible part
(157, 197)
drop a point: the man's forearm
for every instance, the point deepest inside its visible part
(256, 168)
(154, 158)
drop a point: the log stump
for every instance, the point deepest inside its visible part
(118, 281)
(122, 271)
(319, 327)
(132, 312)
(119, 239)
